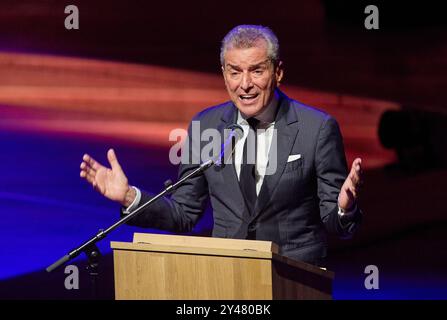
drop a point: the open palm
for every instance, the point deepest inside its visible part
(110, 182)
(350, 189)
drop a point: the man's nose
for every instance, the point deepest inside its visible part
(246, 82)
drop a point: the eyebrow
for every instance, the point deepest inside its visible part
(252, 67)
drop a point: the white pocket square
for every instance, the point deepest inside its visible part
(293, 157)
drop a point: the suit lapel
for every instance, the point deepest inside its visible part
(286, 129)
(228, 171)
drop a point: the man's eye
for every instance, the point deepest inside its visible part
(258, 72)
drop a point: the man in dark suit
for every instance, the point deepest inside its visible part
(295, 191)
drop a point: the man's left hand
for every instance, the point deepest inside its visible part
(351, 187)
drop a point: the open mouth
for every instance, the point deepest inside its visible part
(247, 98)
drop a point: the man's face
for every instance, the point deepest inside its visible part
(251, 78)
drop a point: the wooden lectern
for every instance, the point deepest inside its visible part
(159, 267)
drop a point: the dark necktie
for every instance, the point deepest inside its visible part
(247, 177)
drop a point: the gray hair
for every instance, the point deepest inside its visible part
(247, 36)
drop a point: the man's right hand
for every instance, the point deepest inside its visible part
(110, 182)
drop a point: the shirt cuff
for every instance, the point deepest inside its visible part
(135, 202)
(347, 214)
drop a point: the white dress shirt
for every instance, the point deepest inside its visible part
(264, 136)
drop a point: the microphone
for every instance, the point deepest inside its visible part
(229, 145)
(227, 149)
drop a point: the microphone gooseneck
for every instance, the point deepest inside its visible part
(229, 145)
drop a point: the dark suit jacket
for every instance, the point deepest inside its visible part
(296, 205)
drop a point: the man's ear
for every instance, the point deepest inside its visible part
(279, 72)
(223, 71)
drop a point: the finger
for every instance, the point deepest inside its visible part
(354, 177)
(356, 171)
(90, 179)
(352, 188)
(91, 176)
(357, 165)
(85, 167)
(85, 174)
(350, 194)
(111, 156)
(356, 182)
(91, 162)
(353, 192)
(87, 171)
(88, 174)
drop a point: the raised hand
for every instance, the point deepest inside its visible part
(110, 182)
(350, 189)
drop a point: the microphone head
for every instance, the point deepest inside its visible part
(237, 129)
(233, 133)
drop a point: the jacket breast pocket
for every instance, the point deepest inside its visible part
(293, 165)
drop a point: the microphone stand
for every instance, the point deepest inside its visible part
(91, 250)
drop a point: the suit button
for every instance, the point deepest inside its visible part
(251, 227)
